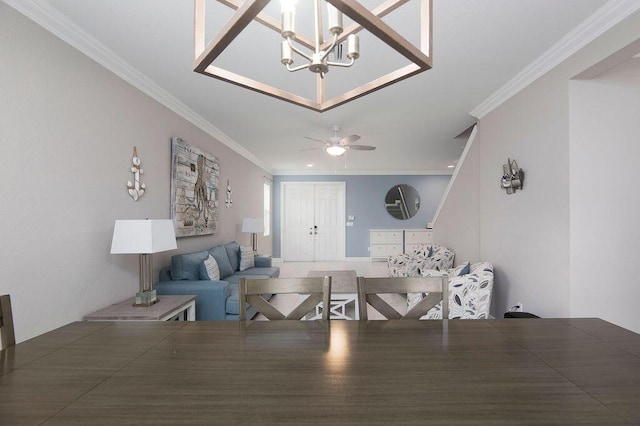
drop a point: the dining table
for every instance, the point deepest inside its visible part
(475, 372)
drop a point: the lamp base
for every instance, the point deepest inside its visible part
(146, 298)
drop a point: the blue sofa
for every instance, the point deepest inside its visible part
(217, 300)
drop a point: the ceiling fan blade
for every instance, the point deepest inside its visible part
(313, 139)
(309, 149)
(348, 139)
(361, 147)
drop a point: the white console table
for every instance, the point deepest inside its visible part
(387, 242)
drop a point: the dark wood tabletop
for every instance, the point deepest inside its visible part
(494, 372)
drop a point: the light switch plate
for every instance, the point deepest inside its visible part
(351, 217)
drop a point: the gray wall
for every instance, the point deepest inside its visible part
(365, 200)
(68, 130)
(528, 236)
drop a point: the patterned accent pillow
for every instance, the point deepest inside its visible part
(466, 269)
(209, 269)
(247, 260)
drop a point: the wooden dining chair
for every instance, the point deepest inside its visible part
(7, 336)
(253, 289)
(370, 288)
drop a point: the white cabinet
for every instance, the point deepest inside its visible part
(413, 238)
(386, 242)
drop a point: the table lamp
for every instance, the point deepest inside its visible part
(253, 225)
(143, 237)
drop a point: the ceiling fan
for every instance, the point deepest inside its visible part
(336, 145)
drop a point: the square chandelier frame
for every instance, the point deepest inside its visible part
(370, 20)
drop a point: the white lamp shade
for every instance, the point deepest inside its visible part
(254, 225)
(143, 236)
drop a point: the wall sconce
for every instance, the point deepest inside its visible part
(512, 176)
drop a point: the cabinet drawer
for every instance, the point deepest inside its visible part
(378, 250)
(394, 237)
(377, 237)
(418, 237)
(411, 248)
(394, 249)
(385, 237)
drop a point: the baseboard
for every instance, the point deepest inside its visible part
(346, 259)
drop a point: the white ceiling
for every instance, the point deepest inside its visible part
(479, 46)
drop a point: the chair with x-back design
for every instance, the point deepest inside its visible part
(7, 336)
(370, 288)
(252, 290)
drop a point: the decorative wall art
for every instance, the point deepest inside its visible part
(228, 201)
(136, 189)
(512, 177)
(195, 177)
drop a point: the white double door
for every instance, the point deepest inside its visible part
(313, 221)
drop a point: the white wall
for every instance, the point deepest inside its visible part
(605, 201)
(458, 219)
(527, 235)
(68, 130)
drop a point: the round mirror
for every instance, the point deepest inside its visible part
(402, 202)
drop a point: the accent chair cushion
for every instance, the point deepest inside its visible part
(469, 294)
(209, 269)
(222, 259)
(247, 259)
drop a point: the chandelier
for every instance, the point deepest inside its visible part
(318, 62)
(315, 52)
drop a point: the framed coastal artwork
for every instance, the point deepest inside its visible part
(195, 177)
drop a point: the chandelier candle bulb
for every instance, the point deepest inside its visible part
(288, 22)
(286, 53)
(335, 19)
(353, 46)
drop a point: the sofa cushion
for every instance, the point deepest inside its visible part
(222, 259)
(186, 266)
(209, 269)
(247, 259)
(233, 251)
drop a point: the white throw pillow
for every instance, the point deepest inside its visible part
(211, 266)
(246, 258)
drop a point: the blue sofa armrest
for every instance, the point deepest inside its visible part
(263, 261)
(211, 296)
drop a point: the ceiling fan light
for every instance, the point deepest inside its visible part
(335, 150)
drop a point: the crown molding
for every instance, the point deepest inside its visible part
(51, 19)
(361, 173)
(595, 25)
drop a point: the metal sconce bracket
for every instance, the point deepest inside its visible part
(512, 177)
